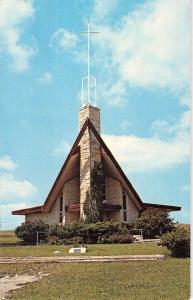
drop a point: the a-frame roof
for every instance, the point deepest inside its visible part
(72, 158)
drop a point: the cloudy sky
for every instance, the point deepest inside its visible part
(140, 59)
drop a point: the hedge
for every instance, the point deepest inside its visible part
(87, 233)
(177, 241)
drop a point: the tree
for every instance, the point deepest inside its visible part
(154, 222)
(94, 200)
(97, 181)
(90, 210)
(177, 241)
(28, 231)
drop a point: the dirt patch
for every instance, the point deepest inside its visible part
(9, 283)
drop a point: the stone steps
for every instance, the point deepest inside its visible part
(77, 259)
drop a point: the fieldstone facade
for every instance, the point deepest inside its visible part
(89, 153)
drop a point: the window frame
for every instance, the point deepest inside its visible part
(61, 208)
(124, 206)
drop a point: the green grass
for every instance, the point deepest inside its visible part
(149, 280)
(47, 250)
(8, 236)
(167, 279)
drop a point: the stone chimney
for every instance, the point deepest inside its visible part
(89, 152)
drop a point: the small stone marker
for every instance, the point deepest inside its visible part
(57, 253)
(78, 250)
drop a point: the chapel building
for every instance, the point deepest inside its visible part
(65, 201)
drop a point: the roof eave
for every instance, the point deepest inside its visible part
(27, 211)
(162, 206)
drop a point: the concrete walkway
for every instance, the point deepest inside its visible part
(77, 259)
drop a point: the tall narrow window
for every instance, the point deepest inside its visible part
(61, 208)
(104, 191)
(124, 206)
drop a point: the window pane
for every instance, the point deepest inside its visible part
(61, 203)
(124, 204)
(61, 217)
(125, 216)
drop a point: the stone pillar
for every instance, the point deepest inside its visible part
(89, 152)
(91, 112)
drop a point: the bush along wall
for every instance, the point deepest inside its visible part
(100, 232)
(154, 223)
(77, 233)
(177, 241)
(28, 231)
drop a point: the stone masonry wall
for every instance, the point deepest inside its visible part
(93, 113)
(71, 195)
(49, 218)
(132, 213)
(89, 152)
(114, 196)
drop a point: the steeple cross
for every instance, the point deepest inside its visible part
(88, 32)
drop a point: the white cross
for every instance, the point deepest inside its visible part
(88, 32)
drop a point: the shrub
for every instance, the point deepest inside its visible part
(177, 241)
(116, 238)
(77, 240)
(28, 231)
(154, 223)
(89, 233)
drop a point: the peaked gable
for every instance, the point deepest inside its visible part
(71, 161)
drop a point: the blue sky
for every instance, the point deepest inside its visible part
(140, 59)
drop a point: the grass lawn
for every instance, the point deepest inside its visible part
(149, 280)
(8, 236)
(47, 250)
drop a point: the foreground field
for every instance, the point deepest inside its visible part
(147, 280)
(47, 250)
(8, 236)
(167, 279)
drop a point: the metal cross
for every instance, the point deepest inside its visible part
(88, 32)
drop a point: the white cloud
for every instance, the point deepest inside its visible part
(7, 163)
(148, 48)
(11, 188)
(62, 148)
(138, 154)
(186, 188)
(63, 39)
(12, 206)
(125, 125)
(7, 220)
(46, 78)
(179, 127)
(13, 14)
(102, 8)
(159, 152)
(185, 101)
(114, 93)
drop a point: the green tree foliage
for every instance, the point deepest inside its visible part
(90, 210)
(28, 231)
(88, 233)
(177, 241)
(93, 203)
(154, 223)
